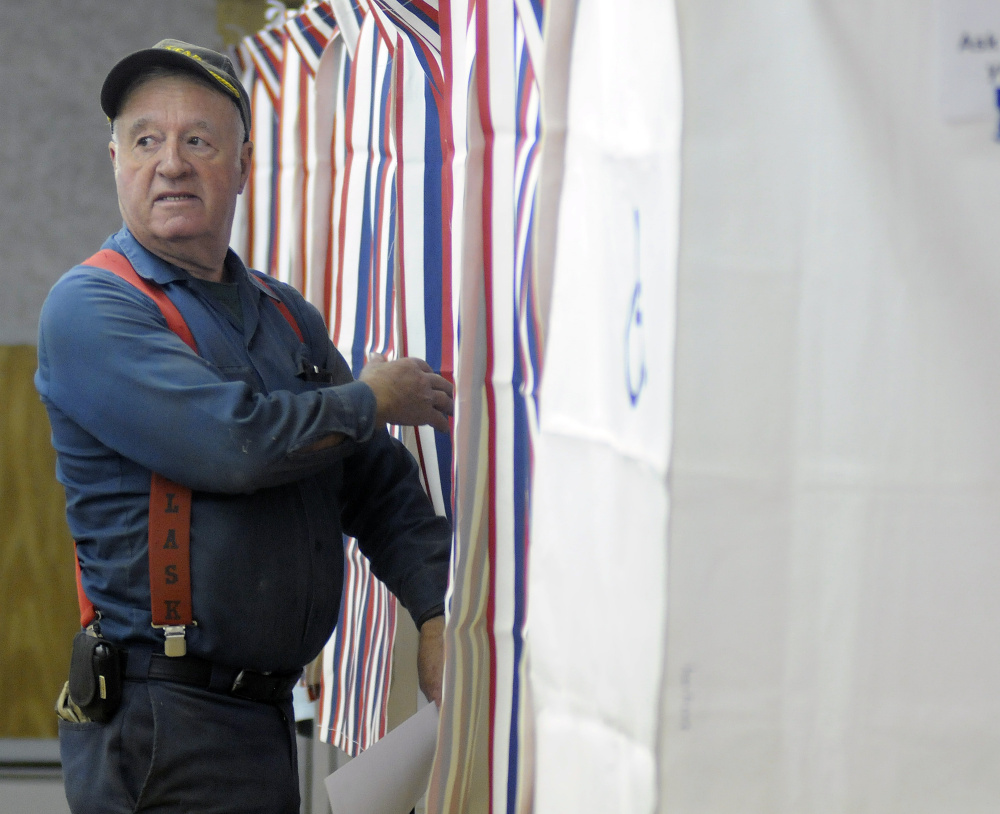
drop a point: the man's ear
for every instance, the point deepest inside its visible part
(113, 150)
(246, 162)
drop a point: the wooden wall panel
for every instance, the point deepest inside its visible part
(37, 583)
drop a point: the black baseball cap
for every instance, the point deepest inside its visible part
(216, 67)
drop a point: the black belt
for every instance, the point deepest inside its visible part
(247, 684)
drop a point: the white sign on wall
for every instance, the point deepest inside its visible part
(969, 42)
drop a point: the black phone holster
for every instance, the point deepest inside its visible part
(95, 676)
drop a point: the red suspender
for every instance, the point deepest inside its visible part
(170, 560)
(286, 313)
(87, 613)
(112, 261)
(169, 503)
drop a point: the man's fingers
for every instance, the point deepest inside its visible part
(442, 384)
(443, 403)
(439, 422)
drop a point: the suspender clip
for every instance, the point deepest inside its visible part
(175, 645)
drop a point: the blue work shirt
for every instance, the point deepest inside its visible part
(126, 397)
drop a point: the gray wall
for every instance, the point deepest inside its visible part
(56, 187)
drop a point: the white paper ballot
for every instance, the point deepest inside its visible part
(390, 776)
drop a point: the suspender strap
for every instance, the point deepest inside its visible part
(170, 560)
(87, 612)
(169, 502)
(116, 263)
(286, 314)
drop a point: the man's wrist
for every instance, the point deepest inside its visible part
(430, 616)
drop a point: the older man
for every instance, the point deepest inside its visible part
(195, 401)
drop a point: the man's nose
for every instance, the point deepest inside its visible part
(172, 161)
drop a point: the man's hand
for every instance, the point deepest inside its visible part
(430, 659)
(312, 677)
(408, 392)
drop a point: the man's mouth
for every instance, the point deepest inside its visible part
(175, 198)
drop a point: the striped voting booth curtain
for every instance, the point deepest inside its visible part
(484, 755)
(407, 202)
(261, 56)
(366, 234)
(356, 664)
(253, 223)
(294, 126)
(316, 37)
(390, 291)
(423, 269)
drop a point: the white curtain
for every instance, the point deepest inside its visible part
(833, 602)
(597, 601)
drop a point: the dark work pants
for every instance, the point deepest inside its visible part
(172, 748)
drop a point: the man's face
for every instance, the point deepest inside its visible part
(180, 161)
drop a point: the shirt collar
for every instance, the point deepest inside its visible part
(155, 268)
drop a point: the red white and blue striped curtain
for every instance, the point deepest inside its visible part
(418, 84)
(318, 41)
(364, 230)
(484, 753)
(362, 308)
(261, 57)
(294, 127)
(423, 264)
(391, 283)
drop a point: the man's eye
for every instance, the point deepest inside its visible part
(144, 141)
(196, 141)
